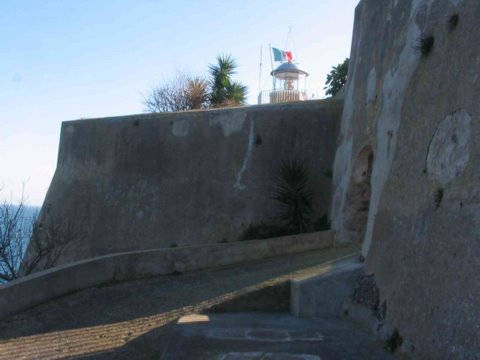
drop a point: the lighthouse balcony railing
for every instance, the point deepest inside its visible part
(277, 96)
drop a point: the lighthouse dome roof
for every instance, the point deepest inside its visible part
(288, 70)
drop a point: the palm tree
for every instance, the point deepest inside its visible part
(237, 93)
(224, 91)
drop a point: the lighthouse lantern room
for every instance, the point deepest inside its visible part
(289, 80)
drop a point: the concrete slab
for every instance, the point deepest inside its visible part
(324, 293)
(270, 336)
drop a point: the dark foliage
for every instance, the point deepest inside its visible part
(322, 223)
(337, 78)
(264, 230)
(224, 91)
(293, 195)
(294, 198)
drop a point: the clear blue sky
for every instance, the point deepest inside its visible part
(70, 59)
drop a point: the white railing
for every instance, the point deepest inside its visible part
(282, 96)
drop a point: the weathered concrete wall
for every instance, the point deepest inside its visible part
(419, 112)
(148, 181)
(46, 285)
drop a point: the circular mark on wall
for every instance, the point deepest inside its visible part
(449, 149)
(70, 129)
(181, 128)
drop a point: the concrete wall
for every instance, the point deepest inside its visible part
(421, 115)
(148, 181)
(45, 285)
(323, 294)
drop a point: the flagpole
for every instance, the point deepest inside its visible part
(260, 72)
(271, 63)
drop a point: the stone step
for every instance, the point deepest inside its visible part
(325, 292)
(313, 291)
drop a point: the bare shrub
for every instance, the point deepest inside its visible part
(179, 93)
(27, 245)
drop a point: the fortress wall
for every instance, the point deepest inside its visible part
(159, 180)
(419, 112)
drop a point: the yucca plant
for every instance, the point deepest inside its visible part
(225, 91)
(293, 194)
(197, 93)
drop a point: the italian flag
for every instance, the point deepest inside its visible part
(282, 55)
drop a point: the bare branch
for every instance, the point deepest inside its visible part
(48, 240)
(14, 234)
(179, 93)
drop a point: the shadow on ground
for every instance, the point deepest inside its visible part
(124, 318)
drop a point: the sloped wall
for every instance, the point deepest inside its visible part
(163, 180)
(413, 96)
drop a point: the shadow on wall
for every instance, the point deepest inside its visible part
(294, 197)
(358, 195)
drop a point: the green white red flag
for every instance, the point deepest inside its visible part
(282, 55)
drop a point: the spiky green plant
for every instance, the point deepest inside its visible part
(224, 91)
(197, 93)
(293, 195)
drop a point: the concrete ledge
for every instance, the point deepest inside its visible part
(325, 293)
(46, 285)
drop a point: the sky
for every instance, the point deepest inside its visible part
(69, 59)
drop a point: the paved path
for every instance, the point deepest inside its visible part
(133, 320)
(254, 336)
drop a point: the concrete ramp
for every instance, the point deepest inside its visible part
(135, 319)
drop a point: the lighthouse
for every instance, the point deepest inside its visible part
(289, 80)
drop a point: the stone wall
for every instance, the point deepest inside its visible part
(411, 106)
(162, 180)
(44, 286)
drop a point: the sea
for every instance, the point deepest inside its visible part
(31, 212)
(29, 215)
